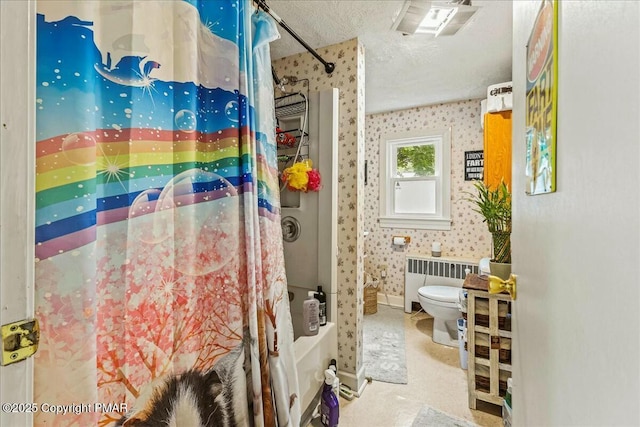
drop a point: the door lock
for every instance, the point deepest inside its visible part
(19, 341)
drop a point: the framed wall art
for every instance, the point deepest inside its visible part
(542, 101)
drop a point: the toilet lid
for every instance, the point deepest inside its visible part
(440, 293)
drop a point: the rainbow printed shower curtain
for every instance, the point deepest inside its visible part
(159, 260)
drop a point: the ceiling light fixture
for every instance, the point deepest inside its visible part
(437, 18)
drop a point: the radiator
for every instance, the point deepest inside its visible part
(428, 271)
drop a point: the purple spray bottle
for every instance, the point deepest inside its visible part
(330, 406)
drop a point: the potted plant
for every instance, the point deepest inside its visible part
(495, 207)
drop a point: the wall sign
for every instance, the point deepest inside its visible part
(542, 101)
(473, 165)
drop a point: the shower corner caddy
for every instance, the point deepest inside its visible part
(292, 109)
(293, 104)
(488, 341)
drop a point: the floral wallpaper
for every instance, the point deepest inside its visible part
(348, 77)
(468, 237)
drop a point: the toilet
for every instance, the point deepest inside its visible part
(441, 302)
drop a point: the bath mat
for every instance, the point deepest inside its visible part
(384, 347)
(431, 417)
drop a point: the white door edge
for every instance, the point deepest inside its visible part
(17, 194)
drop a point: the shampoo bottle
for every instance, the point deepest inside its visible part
(329, 408)
(310, 314)
(322, 299)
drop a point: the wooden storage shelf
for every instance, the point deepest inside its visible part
(486, 362)
(484, 330)
(481, 361)
(488, 371)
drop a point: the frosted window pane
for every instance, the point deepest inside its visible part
(415, 197)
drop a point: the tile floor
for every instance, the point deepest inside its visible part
(435, 379)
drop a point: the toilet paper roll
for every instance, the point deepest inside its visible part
(398, 241)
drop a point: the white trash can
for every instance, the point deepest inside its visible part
(462, 332)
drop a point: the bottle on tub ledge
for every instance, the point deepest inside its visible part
(333, 365)
(329, 406)
(311, 315)
(322, 299)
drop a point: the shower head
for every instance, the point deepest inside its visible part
(286, 80)
(282, 87)
(279, 83)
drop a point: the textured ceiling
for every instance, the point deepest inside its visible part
(405, 71)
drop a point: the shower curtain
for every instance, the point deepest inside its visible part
(159, 266)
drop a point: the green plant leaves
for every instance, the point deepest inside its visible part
(495, 207)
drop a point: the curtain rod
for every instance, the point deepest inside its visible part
(328, 66)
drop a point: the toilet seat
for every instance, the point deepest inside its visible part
(445, 296)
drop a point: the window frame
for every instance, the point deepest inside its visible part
(389, 143)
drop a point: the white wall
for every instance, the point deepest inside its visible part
(576, 251)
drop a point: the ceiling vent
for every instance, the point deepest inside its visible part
(437, 18)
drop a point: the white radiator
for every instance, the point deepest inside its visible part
(429, 271)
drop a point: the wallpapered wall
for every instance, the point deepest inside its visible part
(468, 237)
(348, 77)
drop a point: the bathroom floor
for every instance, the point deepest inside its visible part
(435, 379)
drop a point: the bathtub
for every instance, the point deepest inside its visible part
(312, 354)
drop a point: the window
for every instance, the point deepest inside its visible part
(415, 180)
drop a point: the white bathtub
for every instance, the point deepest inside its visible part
(313, 355)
